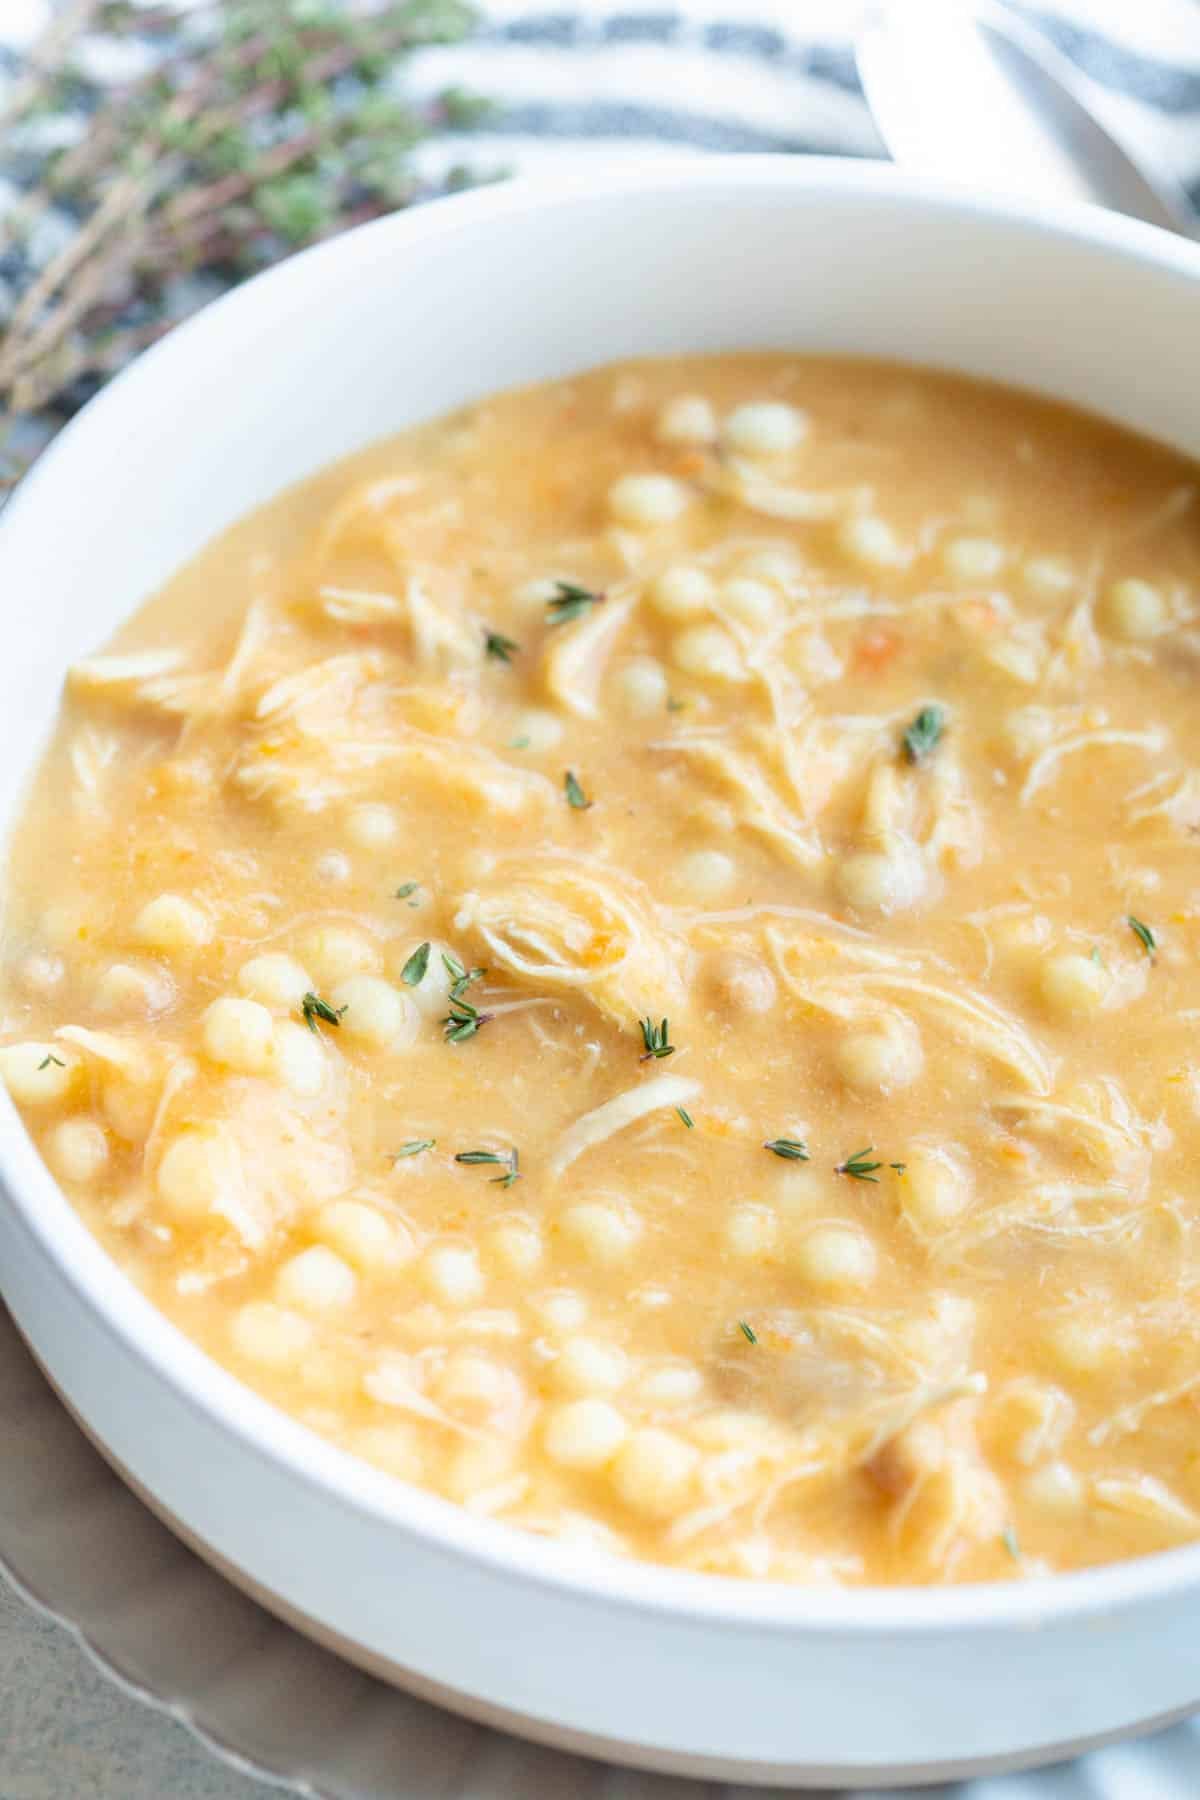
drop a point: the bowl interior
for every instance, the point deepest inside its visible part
(407, 318)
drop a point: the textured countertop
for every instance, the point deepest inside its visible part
(66, 1730)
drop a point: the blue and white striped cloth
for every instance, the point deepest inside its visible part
(580, 83)
(589, 84)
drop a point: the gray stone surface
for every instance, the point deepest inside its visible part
(66, 1731)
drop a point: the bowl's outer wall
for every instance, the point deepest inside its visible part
(385, 327)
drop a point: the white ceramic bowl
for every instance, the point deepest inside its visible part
(360, 337)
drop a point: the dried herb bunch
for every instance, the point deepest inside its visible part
(254, 127)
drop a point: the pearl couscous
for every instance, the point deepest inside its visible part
(633, 957)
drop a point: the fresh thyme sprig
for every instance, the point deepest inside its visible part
(686, 1117)
(1144, 935)
(791, 1149)
(314, 1008)
(656, 1039)
(924, 733)
(463, 1021)
(460, 978)
(257, 128)
(511, 1163)
(748, 1332)
(501, 647)
(859, 1167)
(571, 602)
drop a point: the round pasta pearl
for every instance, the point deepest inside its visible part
(473, 1386)
(536, 728)
(240, 1034)
(604, 1233)
(194, 1172)
(40, 973)
(452, 1273)
(332, 868)
(363, 1236)
(873, 881)
(334, 952)
(709, 653)
(682, 592)
(77, 1150)
(1054, 1488)
(394, 1448)
(38, 1074)
(1134, 609)
(584, 1434)
(133, 993)
(836, 1256)
(431, 994)
(642, 684)
(271, 1336)
(372, 827)
(654, 1472)
(1082, 1346)
(881, 1060)
(764, 428)
(687, 419)
(128, 1106)
(750, 1231)
(675, 1384)
(867, 539)
(1048, 577)
(516, 1246)
(706, 874)
(750, 602)
(316, 1281)
(563, 1311)
(644, 501)
(743, 983)
(274, 980)
(973, 558)
(1072, 984)
(934, 1191)
(171, 922)
(779, 565)
(376, 1012)
(299, 1058)
(590, 1366)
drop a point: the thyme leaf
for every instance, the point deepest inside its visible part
(791, 1149)
(923, 734)
(1144, 936)
(571, 602)
(314, 1008)
(748, 1332)
(511, 1163)
(501, 647)
(656, 1039)
(463, 1021)
(413, 972)
(575, 794)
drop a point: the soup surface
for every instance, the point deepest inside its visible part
(630, 957)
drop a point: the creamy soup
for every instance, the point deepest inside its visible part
(629, 956)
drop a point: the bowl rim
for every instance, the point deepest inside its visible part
(262, 1430)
